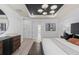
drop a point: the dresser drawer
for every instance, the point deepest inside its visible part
(16, 47)
(16, 38)
(1, 48)
(17, 41)
(1, 51)
(1, 44)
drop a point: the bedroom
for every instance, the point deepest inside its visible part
(42, 27)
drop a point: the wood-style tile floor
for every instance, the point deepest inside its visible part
(29, 47)
(35, 49)
(24, 48)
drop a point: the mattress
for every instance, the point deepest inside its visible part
(59, 46)
(50, 48)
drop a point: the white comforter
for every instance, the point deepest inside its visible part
(59, 46)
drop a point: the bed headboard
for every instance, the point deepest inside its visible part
(75, 28)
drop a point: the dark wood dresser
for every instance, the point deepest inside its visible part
(9, 44)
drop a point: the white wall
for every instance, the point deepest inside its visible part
(44, 34)
(68, 20)
(15, 21)
(51, 34)
(27, 29)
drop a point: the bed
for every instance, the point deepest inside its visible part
(59, 46)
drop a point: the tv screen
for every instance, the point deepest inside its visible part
(75, 28)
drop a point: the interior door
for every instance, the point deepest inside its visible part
(27, 29)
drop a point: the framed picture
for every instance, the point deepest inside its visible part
(50, 26)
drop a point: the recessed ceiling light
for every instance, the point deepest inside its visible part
(44, 13)
(40, 10)
(53, 6)
(52, 11)
(44, 6)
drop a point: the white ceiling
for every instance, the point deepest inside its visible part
(67, 9)
(19, 8)
(64, 11)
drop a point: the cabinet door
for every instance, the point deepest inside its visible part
(16, 42)
(1, 48)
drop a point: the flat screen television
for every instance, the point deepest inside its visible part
(75, 28)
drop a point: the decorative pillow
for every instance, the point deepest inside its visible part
(75, 36)
(67, 36)
(74, 41)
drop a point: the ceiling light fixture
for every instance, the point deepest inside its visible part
(52, 11)
(44, 13)
(53, 7)
(40, 10)
(45, 6)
